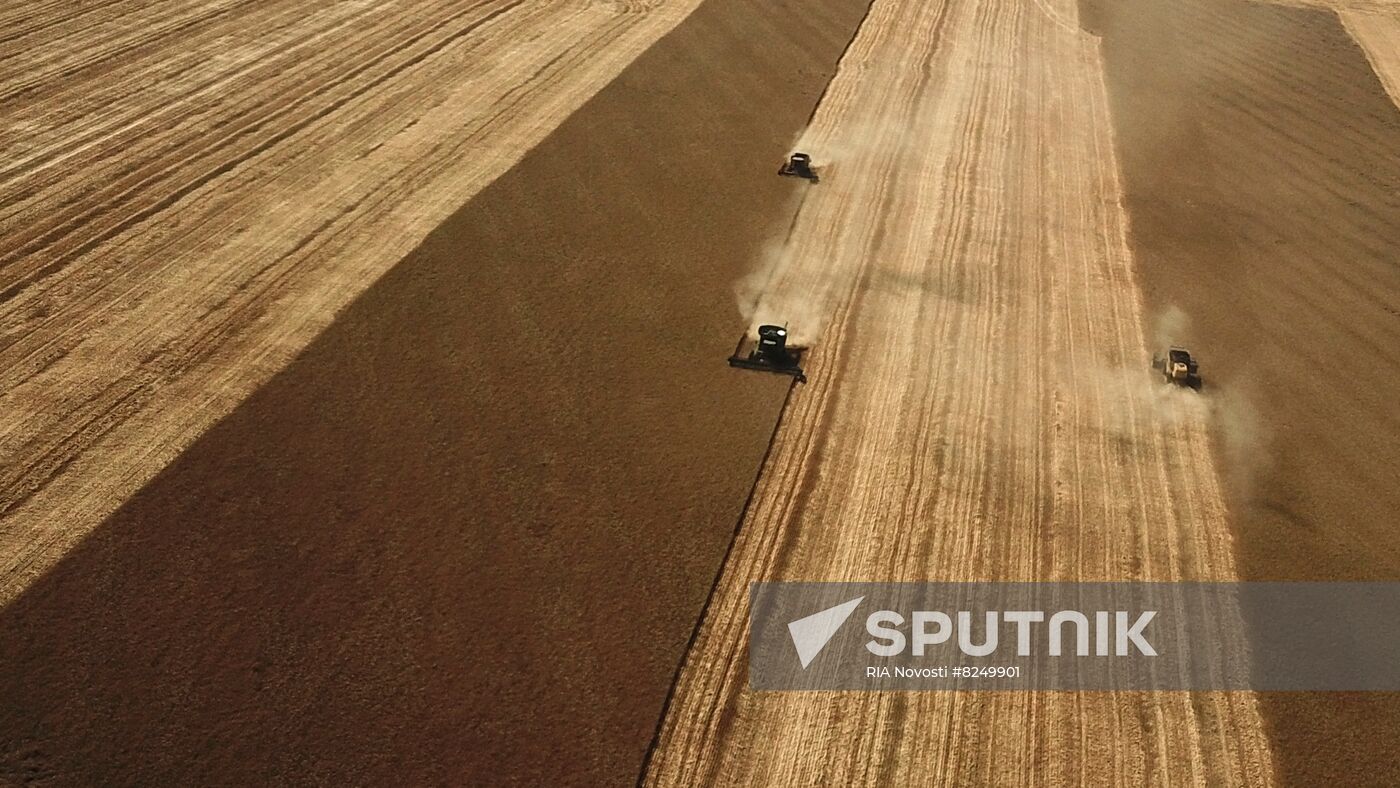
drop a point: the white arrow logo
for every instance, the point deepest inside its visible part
(811, 634)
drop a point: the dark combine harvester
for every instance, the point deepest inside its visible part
(799, 166)
(769, 354)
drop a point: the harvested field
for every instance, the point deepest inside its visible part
(1262, 169)
(194, 189)
(980, 409)
(363, 413)
(427, 550)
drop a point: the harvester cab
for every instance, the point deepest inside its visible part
(1178, 367)
(770, 353)
(799, 165)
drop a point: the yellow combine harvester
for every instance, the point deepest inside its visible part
(1178, 367)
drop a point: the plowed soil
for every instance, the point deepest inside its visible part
(464, 537)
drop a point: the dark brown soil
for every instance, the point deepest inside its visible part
(464, 538)
(1262, 164)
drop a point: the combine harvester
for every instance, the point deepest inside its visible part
(799, 166)
(769, 354)
(1178, 367)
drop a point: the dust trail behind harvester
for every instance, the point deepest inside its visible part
(981, 407)
(1169, 328)
(788, 288)
(1244, 436)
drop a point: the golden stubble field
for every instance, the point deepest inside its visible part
(267, 432)
(193, 190)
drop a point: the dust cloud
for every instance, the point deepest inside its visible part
(779, 291)
(787, 288)
(1169, 329)
(1244, 439)
(1133, 400)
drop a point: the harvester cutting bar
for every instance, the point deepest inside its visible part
(769, 353)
